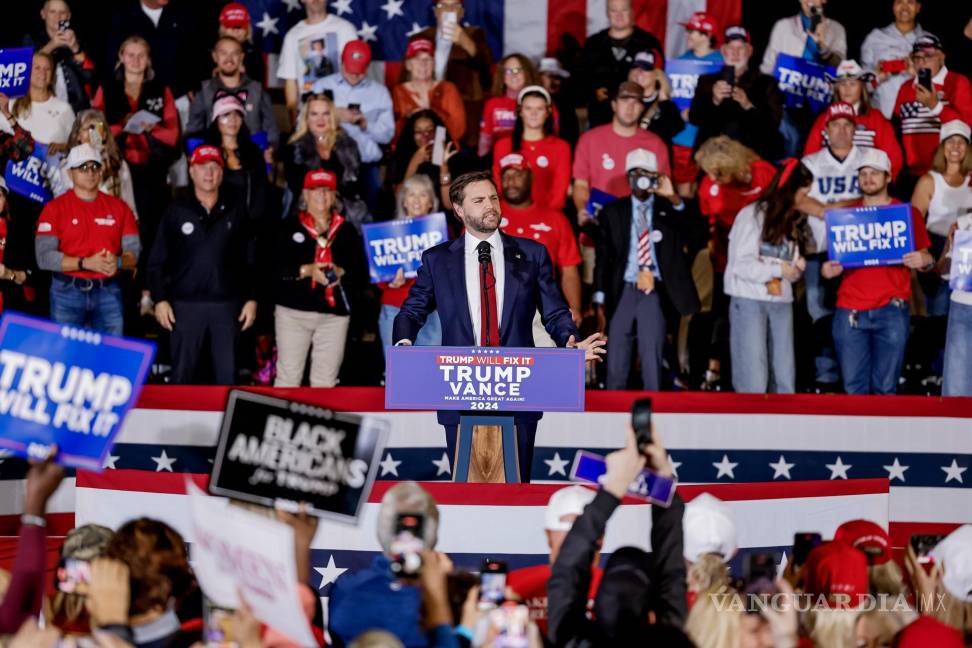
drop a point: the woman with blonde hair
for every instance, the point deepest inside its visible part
(735, 176)
(91, 127)
(40, 112)
(150, 146)
(420, 90)
(320, 143)
(416, 197)
(944, 196)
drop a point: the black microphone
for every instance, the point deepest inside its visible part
(485, 255)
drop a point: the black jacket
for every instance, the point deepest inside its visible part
(75, 76)
(614, 243)
(179, 55)
(570, 578)
(202, 257)
(295, 247)
(605, 63)
(757, 128)
(345, 162)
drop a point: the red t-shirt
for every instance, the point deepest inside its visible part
(395, 296)
(549, 161)
(870, 288)
(546, 226)
(530, 584)
(600, 156)
(499, 117)
(721, 202)
(86, 228)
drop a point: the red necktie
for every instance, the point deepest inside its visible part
(489, 323)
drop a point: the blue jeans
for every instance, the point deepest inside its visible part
(429, 335)
(90, 304)
(761, 342)
(958, 352)
(825, 362)
(871, 347)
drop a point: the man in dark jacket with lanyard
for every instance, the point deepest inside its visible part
(201, 273)
(642, 276)
(633, 583)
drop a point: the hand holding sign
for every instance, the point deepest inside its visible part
(870, 236)
(592, 346)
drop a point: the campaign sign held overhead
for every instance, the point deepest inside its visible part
(66, 386)
(684, 75)
(507, 379)
(15, 65)
(395, 244)
(276, 452)
(869, 236)
(804, 82)
(961, 274)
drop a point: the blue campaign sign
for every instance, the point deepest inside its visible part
(506, 379)
(395, 244)
(961, 273)
(804, 82)
(597, 201)
(869, 236)
(66, 386)
(648, 485)
(30, 178)
(15, 65)
(684, 76)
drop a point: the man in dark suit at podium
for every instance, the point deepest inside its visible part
(642, 276)
(487, 286)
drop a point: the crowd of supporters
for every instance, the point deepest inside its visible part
(694, 239)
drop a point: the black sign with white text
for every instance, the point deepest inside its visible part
(276, 452)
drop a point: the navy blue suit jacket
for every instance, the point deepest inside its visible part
(529, 285)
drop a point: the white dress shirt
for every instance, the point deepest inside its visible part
(473, 289)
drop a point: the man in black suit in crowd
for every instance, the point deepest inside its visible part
(642, 275)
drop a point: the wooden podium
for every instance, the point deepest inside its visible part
(486, 450)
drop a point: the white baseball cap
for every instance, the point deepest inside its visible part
(954, 553)
(876, 159)
(641, 158)
(567, 501)
(708, 527)
(956, 127)
(82, 153)
(550, 65)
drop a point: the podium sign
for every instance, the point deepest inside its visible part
(485, 379)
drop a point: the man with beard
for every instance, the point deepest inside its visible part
(873, 303)
(502, 281)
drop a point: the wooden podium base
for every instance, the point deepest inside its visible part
(486, 451)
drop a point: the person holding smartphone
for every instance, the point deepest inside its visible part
(885, 52)
(319, 265)
(935, 96)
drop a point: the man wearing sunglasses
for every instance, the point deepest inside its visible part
(86, 237)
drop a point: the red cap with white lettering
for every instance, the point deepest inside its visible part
(840, 110)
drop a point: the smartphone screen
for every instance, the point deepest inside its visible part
(408, 543)
(803, 543)
(492, 583)
(925, 78)
(438, 145)
(923, 544)
(217, 626)
(74, 576)
(728, 74)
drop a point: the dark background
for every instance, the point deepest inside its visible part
(946, 18)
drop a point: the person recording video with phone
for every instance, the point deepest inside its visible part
(739, 101)
(642, 277)
(634, 585)
(935, 96)
(319, 266)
